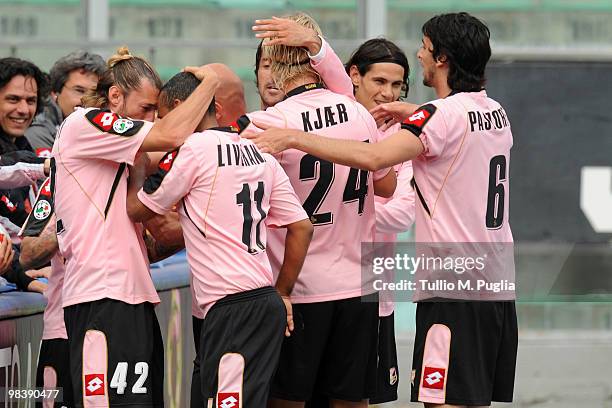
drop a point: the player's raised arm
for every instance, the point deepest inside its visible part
(397, 148)
(171, 131)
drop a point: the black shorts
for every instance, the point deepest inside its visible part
(239, 347)
(116, 354)
(387, 370)
(53, 371)
(464, 352)
(333, 346)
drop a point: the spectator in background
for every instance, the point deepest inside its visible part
(70, 77)
(22, 87)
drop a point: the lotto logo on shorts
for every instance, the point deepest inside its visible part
(228, 400)
(94, 384)
(433, 378)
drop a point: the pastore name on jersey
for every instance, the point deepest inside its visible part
(487, 120)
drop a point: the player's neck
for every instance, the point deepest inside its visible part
(303, 80)
(441, 87)
(208, 121)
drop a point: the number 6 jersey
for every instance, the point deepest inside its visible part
(227, 192)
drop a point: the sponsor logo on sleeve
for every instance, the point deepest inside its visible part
(43, 152)
(94, 384)
(433, 378)
(228, 400)
(110, 122)
(418, 119)
(45, 189)
(166, 162)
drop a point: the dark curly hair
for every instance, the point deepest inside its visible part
(464, 41)
(379, 50)
(11, 67)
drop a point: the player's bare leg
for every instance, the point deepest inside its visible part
(279, 403)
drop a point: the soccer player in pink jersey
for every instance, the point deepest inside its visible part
(228, 102)
(465, 352)
(376, 73)
(338, 325)
(229, 194)
(116, 351)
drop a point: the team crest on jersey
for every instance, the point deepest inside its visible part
(42, 210)
(122, 125)
(392, 376)
(43, 152)
(94, 385)
(110, 122)
(433, 378)
(418, 119)
(228, 400)
(8, 203)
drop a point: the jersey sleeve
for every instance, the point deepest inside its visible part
(332, 71)
(101, 134)
(397, 214)
(285, 207)
(175, 176)
(429, 126)
(41, 213)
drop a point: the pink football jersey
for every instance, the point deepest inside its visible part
(104, 250)
(462, 184)
(229, 192)
(338, 199)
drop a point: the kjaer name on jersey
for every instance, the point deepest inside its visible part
(329, 117)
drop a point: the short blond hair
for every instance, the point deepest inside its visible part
(288, 63)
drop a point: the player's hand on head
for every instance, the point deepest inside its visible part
(202, 72)
(283, 31)
(290, 325)
(6, 254)
(388, 114)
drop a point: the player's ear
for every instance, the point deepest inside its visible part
(441, 60)
(176, 103)
(355, 75)
(115, 96)
(218, 111)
